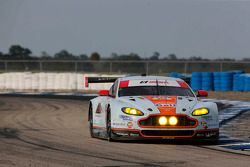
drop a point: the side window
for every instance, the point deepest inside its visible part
(113, 89)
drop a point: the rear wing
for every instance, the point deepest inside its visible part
(113, 79)
(99, 80)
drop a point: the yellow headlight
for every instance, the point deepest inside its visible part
(201, 111)
(163, 120)
(132, 111)
(173, 120)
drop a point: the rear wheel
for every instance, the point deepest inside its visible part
(91, 121)
(108, 126)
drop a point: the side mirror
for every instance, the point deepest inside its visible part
(202, 93)
(104, 92)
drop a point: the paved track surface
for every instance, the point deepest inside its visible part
(48, 132)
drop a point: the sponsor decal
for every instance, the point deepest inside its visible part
(130, 125)
(172, 83)
(141, 82)
(204, 124)
(119, 124)
(126, 118)
(165, 105)
(162, 99)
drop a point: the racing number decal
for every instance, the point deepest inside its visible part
(166, 105)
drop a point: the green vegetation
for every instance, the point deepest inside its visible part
(17, 52)
(19, 58)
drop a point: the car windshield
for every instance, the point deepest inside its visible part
(155, 90)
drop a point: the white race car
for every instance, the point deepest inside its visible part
(152, 107)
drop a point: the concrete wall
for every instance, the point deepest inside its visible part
(27, 81)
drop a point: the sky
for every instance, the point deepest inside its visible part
(206, 28)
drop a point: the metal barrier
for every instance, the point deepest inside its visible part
(121, 67)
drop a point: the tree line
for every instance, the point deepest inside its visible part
(17, 52)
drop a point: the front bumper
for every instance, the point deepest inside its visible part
(165, 134)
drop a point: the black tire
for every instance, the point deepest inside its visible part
(214, 141)
(108, 126)
(91, 122)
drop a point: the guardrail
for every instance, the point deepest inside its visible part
(120, 67)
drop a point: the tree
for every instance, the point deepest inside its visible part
(45, 56)
(246, 59)
(83, 57)
(18, 52)
(64, 54)
(172, 56)
(95, 56)
(195, 58)
(114, 56)
(131, 56)
(155, 56)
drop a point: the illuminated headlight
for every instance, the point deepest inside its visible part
(132, 111)
(199, 112)
(173, 120)
(163, 120)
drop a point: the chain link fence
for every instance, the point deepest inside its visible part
(121, 67)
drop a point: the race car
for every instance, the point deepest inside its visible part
(152, 107)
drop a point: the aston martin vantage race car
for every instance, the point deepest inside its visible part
(152, 107)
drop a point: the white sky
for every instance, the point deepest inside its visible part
(206, 28)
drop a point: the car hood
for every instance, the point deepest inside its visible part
(167, 105)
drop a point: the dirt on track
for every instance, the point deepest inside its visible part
(36, 132)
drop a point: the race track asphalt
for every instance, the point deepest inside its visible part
(40, 132)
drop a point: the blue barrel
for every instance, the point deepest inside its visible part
(236, 82)
(247, 83)
(241, 82)
(216, 81)
(207, 81)
(175, 75)
(226, 82)
(237, 71)
(196, 81)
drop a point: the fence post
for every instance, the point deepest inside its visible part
(6, 66)
(110, 67)
(221, 66)
(41, 66)
(147, 67)
(76, 66)
(185, 67)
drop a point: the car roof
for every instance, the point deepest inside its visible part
(149, 78)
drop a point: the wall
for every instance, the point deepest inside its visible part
(40, 82)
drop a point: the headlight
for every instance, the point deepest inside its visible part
(132, 111)
(173, 120)
(201, 111)
(163, 120)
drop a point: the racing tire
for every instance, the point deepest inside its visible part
(108, 126)
(214, 141)
(91, 122)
